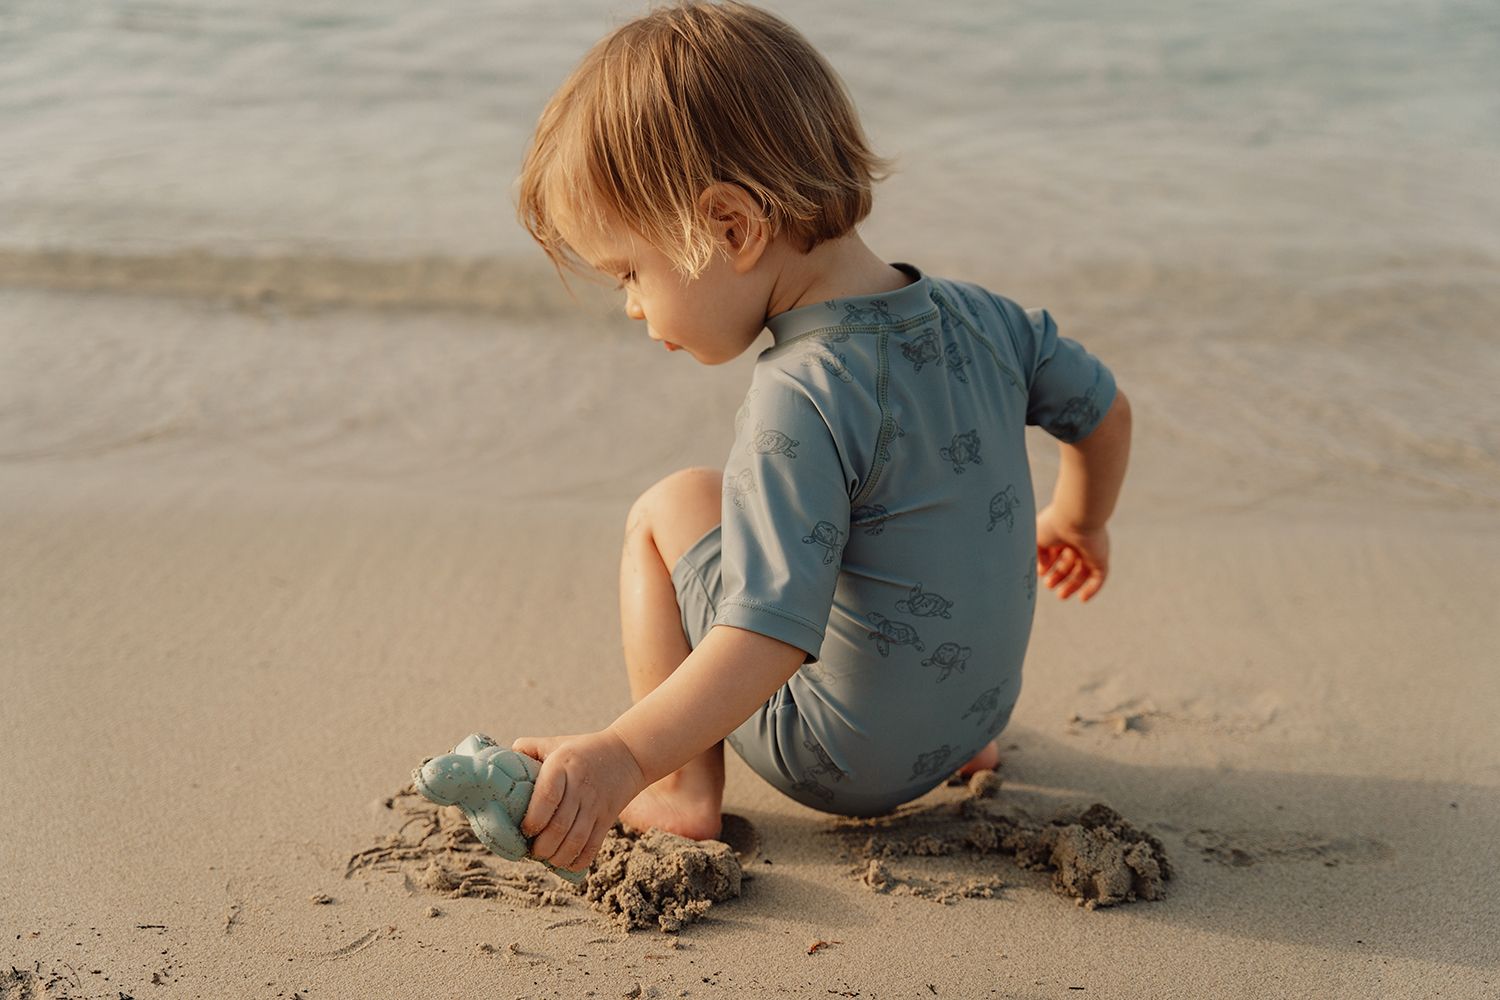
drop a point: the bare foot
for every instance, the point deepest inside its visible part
(685, 802)
(985, 760)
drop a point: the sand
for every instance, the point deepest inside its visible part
(259, 561)
(655, 879)
(639, 879)
(1096, 857)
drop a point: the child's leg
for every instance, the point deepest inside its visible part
(663, 524)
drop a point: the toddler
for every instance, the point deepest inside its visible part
(848, 603)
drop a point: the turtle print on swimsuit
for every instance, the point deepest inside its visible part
(923, 604)
(830, 360)
(890, 633)
(825, 762)
(956, 361)
(948, 657)
(807, 786)
(1031, 582)
(1076, 414)
(870, 517)
(968, 300)
(922, 349)
(773, 442)
(963, 450)
(826, 534)
(987, 702)
(737, 486)
(876, 312)
(930, 763)
(1003, 508)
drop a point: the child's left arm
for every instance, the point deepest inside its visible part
(587, 780)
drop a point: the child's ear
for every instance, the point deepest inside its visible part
(740, 226)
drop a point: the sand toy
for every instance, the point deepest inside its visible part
(492, 785)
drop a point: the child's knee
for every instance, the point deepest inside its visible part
(684, 492)
(678, 510)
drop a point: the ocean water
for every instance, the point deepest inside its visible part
(1279, 221)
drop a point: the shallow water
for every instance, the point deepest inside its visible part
(1281, 224)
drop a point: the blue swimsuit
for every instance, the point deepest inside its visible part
(878, 514)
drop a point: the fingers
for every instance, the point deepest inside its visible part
(548, 844)
(1066, 561)
(587, 834)
(577, 838)
(1081, 574)
(562, 816)
(595, 841)
(546, 797)
(1072, 573)
(573, 835)
(1096, 580)
(537, 747)
(1046, 555)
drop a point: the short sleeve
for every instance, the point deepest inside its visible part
(1068, 389)
(785, 517)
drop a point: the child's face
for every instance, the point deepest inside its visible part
(714, 317)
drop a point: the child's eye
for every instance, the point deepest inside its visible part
(625, 279)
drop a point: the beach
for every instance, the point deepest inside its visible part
(300, 484)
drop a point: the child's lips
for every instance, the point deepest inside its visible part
(670, 346)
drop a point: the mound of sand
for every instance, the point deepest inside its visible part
(638, 880)
(660, 878)
(1096, 857)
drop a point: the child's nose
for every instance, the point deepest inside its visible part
(633, 308)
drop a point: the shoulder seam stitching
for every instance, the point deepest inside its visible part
(887, 422)
(994, 354)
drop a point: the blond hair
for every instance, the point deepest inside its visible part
(685, 97)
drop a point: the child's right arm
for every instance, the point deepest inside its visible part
(1072, 542)
(587, 780)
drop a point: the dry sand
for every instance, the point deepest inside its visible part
(259, 562)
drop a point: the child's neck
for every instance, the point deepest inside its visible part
(837, 269)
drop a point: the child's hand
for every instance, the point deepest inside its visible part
(1070, 560)
(584, 784)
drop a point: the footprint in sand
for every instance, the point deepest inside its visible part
(1243, 848)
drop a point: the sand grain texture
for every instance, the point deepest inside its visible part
(660, 879)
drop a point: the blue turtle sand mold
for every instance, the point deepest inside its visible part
(492, 785)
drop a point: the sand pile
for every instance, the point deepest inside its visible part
(638, 880)
(660, 878)
(1096, 857)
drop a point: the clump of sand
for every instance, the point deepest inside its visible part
(660, 878)
(1096, 857)
(638, 880)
